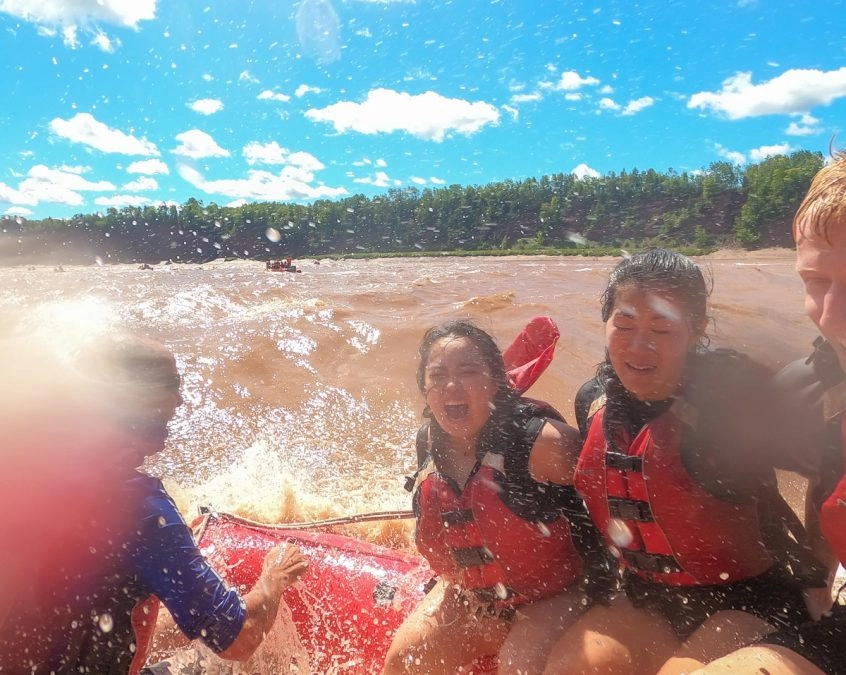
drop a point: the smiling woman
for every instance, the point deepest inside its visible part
(496, 515)
(677, 471)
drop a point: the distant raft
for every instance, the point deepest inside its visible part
(281, 266)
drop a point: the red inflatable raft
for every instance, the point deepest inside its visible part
(352, 599)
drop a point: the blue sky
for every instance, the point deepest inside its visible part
(137, 102)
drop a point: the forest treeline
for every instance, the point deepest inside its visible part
(722, 206)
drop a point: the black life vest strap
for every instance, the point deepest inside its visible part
(630, 509)
(787, 541)
(459, 517)
(494, 594)
(474, 556)
(651, 562)
(421, 445)
(623, 462)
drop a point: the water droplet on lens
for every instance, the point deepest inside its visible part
(106, 622)
(501, 591)
(272, 234)
(619, 533)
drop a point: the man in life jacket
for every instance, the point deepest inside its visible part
(817, 389)
(89, 599)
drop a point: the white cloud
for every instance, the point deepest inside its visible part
(584, 171)
(54, 17)
(84, 128)
(273, 153)
(794, 91)
(636, 105)
(758, 154)
(247, 76)
(268, 95)
(631, 108)
(418, 181)
(206, 106)
(143, 183)
(733, 156)
(608, 104)
(511, 110)
(119, 201)
(105, 43)
(429, 116)
(573, 96)
(570, 80)
(304, 89)
(434, 180)
(526, 98)
(198, 144)
(806, 126)
(18, 210)
(148, 167)
(57, 185)
(128, 13)
(379, 179)
(291, 184)
(10, 195)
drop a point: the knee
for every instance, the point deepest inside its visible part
(397, 659)
(591, 657)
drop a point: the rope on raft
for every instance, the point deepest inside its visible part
(374, 516)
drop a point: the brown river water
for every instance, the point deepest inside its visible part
(300, 395)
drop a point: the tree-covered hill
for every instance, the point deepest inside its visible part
(723, 205)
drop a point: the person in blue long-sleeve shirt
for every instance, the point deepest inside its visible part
(83, 604)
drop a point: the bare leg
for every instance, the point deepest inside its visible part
(536, 628)
(720, 634)
(442, 634)
(611, 640)
(761, 660)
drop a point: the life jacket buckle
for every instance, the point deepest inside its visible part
(629, 509)
(651, 562)
(472, 557)
(459, 517)
(621, 462)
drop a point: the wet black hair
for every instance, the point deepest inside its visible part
(659, 269)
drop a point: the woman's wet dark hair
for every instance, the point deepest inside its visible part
(661, 270)
(656, 270)
(466, 329)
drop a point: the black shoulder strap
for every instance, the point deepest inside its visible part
(421, 443)
(825, 364)
(788, 542)
(590, 392)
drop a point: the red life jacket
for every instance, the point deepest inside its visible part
(472, 538)
(833, 511)
(664, 525)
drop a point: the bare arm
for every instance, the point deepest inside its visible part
(554, 454)
(283, 565)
